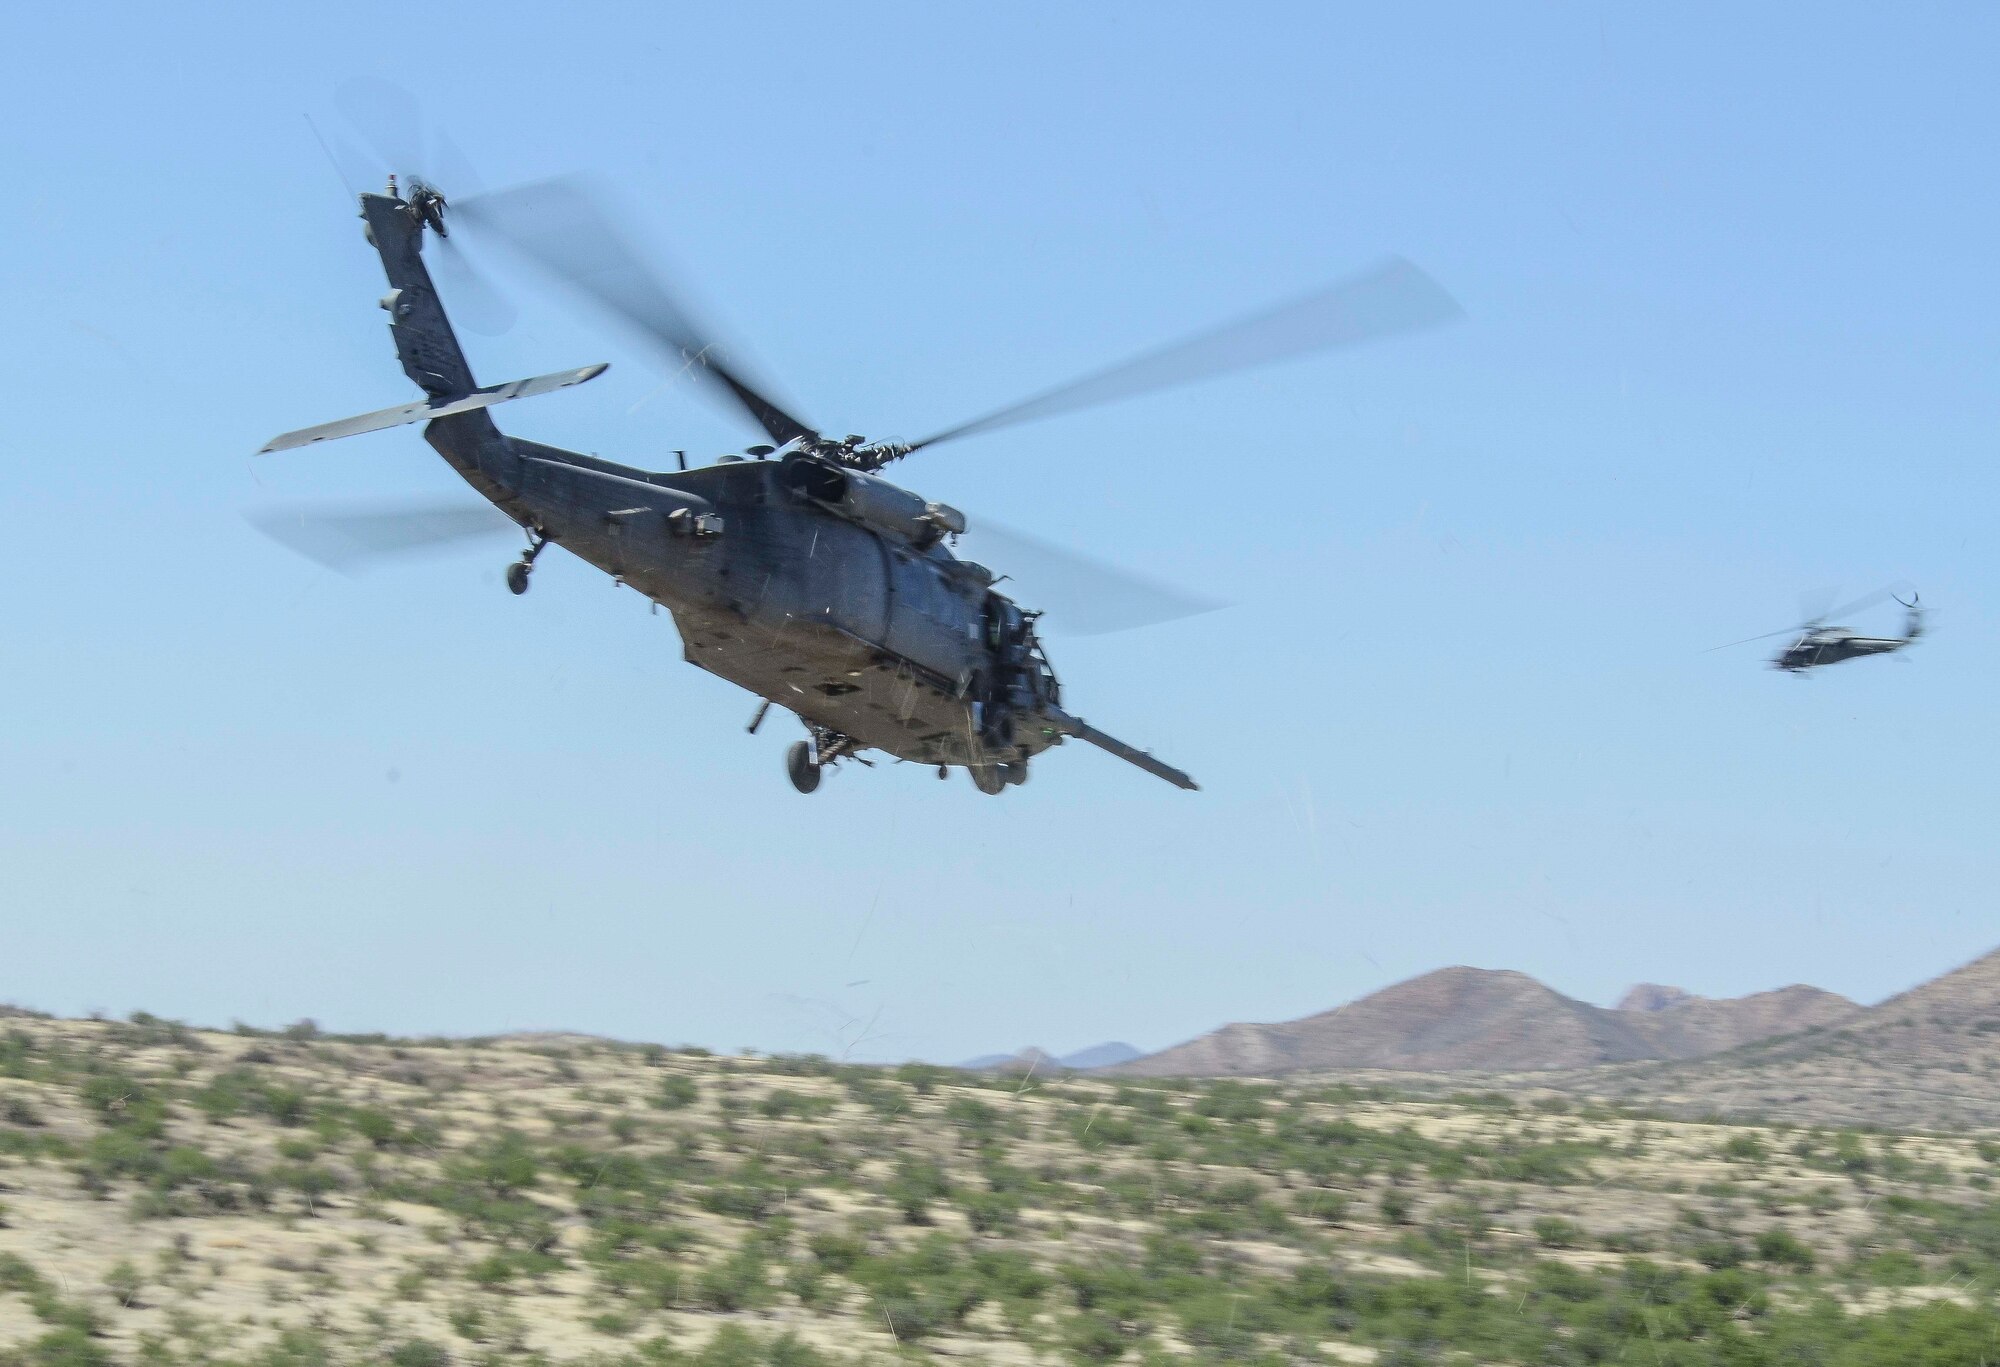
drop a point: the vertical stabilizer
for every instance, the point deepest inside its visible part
(425, 343)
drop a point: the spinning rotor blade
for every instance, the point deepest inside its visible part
(391, 121)
(1815, 604)
(1081, 596)
(1867, 600)
(1395, 297)
(345, 540)
(561, 227)
(473, 301)
(1788, 631)
(1813, 620)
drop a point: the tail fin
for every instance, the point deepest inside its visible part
(438, 407)
(425, 343)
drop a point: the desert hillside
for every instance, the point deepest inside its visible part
(1473, 1019)
(178, 1197)
(1926, 1057)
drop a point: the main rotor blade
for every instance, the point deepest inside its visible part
(1788, 631)
(1082, 596)
(1866, 600)
(1394, 297)
(346, 539)
(1814, 604)
(560, 226)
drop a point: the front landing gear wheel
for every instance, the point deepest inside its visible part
(1014, 775)
(987, 778)
(801, 767)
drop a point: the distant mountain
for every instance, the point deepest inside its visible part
(1652, 997)
(1926, 1057)
(1101, 1056)
(1485, 1020)
(1096, 1056)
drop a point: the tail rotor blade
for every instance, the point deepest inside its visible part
(390, 120)
(474, 301)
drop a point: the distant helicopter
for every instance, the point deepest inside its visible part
(805, 578)
(1815, 644)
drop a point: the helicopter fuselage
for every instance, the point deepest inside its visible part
(807, 580)
(1831, 645)
(891, 643)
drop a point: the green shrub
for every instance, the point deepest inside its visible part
(419, 1353)
(1552, 1231)
(1780, 1247)
(990, 1212)
(917, 1182)
(1891, 1267)
(738, 1282)
(124, 1283)
(66, 1347)
(1746, 1148)
(676, 1092)
(1719, 1253)
(1396, 1206)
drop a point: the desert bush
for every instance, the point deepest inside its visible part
(785, 1104)
(124, 1283)
(1780, 1247)
(922, 1078)
(917, 1182)
(65, 1347)
(1552, 1231)
(738, 1282)
(418, 1353)
(1747, 1148)
(676, 1091)
(1396, 1206)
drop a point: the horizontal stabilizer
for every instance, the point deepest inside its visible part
(433, 408)
(1083, 730)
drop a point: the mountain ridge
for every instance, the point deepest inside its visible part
(1466, 1019)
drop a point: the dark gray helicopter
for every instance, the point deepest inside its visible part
(1815, 644)
(794, 571)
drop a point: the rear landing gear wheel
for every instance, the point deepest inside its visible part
(1014, 775)
(517, 577)
(801, 767)
(987, 778)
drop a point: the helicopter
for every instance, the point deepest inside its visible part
(794, 569)
(1815, 645)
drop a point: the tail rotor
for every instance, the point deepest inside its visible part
(425, 161)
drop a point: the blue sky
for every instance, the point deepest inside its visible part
(1733, 321)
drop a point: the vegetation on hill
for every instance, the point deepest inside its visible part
(185, 1198)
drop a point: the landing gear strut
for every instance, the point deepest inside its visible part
(806, 760)
(518, 572)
